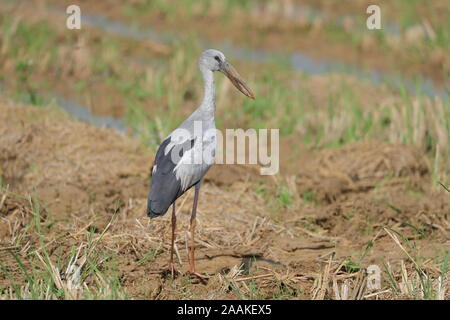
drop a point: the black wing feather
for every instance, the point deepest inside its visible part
(165, 188)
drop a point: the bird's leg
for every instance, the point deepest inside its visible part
(191, 270)
(174, 224)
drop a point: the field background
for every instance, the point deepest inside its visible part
(364, 119)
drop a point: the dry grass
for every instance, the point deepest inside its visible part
(81, 232)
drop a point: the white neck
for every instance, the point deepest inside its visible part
(208, 105)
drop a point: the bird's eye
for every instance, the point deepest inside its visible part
(217, 58)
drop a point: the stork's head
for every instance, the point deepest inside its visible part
(214, 60)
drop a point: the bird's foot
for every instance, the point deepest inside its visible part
(200, 276)
(171, 270)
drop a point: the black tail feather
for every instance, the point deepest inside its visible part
(154, 211)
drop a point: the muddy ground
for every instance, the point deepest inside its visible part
(94, 181)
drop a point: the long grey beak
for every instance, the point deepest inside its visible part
(236, 79)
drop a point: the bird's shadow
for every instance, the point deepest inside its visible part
(247, 262)
(167, 275)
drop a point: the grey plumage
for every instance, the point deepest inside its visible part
(165, 187)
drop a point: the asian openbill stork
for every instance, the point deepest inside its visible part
(184, 157)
